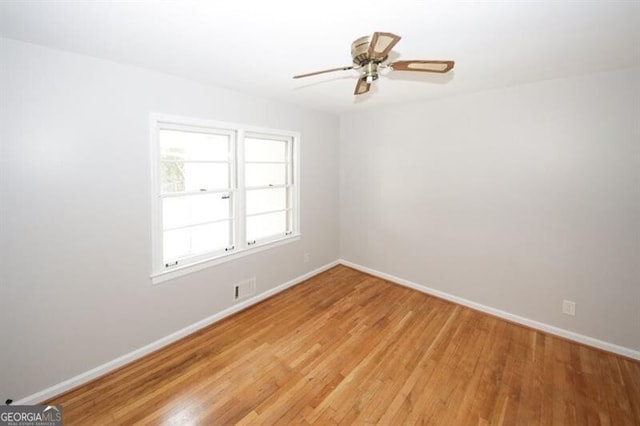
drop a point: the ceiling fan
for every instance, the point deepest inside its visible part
(369, 54)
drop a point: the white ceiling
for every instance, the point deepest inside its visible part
(256, 46)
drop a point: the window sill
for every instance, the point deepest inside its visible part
(163, 276)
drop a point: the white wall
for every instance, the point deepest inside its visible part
(514, 198)
(75, 211)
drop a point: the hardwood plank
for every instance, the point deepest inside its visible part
(348, 348)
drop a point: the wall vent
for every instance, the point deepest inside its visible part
(244, 289)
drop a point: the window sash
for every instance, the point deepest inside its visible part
(159, 228)
(288, 185)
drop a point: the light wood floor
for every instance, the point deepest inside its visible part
(348, 348)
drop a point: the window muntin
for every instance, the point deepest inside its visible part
(181, 211)
(266, 200)
(194, 160)
(220, 190)
(195, 240)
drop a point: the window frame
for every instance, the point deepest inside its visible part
(240, 246)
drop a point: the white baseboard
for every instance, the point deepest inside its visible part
(103, 369)
(570, 335)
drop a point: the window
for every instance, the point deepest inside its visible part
(219, 191)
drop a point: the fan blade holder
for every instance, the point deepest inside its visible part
(362, 86)
(423, 66)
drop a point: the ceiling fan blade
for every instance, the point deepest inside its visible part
(362, 86)
(424, 66)
(381, 44)
(324, 71)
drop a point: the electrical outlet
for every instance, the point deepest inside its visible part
(307, 257)
(569, 307)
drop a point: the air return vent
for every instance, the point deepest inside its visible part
(244, 289)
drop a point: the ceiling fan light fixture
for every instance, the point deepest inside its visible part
(371, 71)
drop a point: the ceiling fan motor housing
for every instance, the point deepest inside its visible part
(360, 50)
(360, 55)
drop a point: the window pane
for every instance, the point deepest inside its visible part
(266, 225)
(264, 150)
(192, 209)
(264, 200)
(265, 174)
(181, 145)
(178, 176)
(196, 240)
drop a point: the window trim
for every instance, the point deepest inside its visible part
(242, 247)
